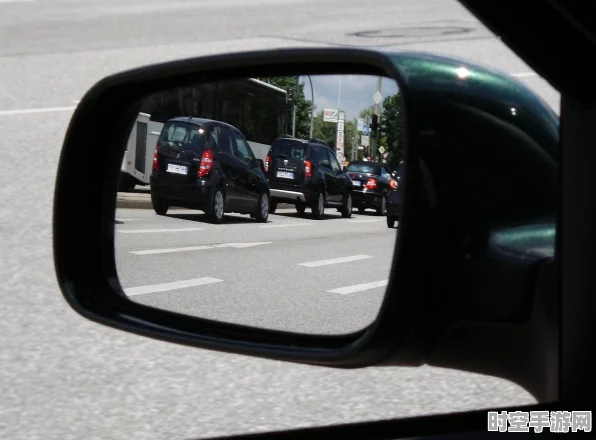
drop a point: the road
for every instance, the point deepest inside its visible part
(293, 273)
(62, 377)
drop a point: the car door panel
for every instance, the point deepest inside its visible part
(337, 179)
(247, 180)
(229, 165)
(326, 173)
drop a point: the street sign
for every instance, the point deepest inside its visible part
(382, 149)
(377, 97)
(340, 126)
(330, 115)
(365, 130)
(342, 116)
(360, 124)
(365, 140)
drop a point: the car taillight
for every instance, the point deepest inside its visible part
(393, 184)
(206, 163)
(308, 168)
(155, 160)
(267, 160)
(371, 184)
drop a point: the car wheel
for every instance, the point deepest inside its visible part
(346, 211)
(159, 206)
(391, 221)
(272, 207)
(300, 207)
(262, 213)
(217, 208)
(318, 208)
(383, 209)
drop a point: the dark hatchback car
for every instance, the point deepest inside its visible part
(207, 165)
(371, 183)
(395, 196)
(307, 174)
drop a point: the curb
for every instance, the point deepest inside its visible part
(140, 201)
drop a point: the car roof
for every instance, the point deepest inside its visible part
(199, 121)
(302, 141)
(366, 162)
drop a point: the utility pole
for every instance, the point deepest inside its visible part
(377, 111)
(294, 111)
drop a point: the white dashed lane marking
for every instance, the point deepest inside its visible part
(359, 287)
(335, 261)
(198, 248)
(142, 290)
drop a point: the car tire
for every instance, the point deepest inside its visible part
(159, 206)
(272, 207)
(346, 210)
(318, 206)
(262, 212)
(383, 209)
(391, 219)
(300, 207)
(217, 206)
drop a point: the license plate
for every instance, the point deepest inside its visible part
(285, 174)
(356, 183)
(177, 169)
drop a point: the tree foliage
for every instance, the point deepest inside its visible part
(295, 96)
(394, 141)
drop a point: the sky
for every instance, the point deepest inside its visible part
(356, 92)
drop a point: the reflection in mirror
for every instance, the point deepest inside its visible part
(264, 202)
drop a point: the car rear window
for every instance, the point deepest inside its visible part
(362, 168)
(181, 134)
(290, 149)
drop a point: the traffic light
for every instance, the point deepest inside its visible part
(383, 126)
(374, 125)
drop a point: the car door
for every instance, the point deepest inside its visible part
(229, 164)
(249, 172)
(337, 188)
(324, 165)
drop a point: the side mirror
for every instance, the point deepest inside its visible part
(258, 163)
(443, 294)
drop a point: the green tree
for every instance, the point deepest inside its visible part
(366, 112)
(295, 96)
(394, 141)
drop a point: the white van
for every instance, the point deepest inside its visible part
(138, 157)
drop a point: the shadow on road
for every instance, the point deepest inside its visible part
(330, 214)
(202, 218)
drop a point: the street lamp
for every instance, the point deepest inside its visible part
(312, 105)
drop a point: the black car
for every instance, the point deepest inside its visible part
(395, 196)
(371, 183)
(307, 174)
(207, 165)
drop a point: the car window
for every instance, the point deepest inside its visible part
(177, 133)
(320, 157)
(290, 149)
(385, 174)
(185, 135)
(243, 150)
(223, 140)
(361, 168)
(333, 160)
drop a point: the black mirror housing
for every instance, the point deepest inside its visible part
(441, 297)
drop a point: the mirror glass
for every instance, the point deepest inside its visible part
(234, 203)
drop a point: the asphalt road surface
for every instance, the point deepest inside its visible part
(293, 273)
(62, 377)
